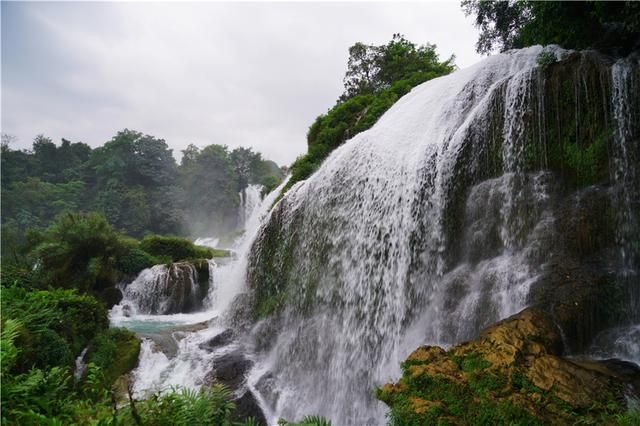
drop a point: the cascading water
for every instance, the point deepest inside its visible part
(163, 289)
(174, 351)
(423, 229)
(250, 199)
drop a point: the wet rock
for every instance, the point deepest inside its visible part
(511, 373)
(229, 369)
(167, 289)
(247, 406)
(266, 387)
(579, 289)
(222, 339)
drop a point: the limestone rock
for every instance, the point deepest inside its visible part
(512, 373)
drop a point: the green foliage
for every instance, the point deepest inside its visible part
(135, 260)
(133, 180)
(56, 324)
(35, 322)
(377, 76)
(115, 352)
(77, 250)
(630, 418)
(588, 164)
(211, 178)
(307, 421)
(471, 362)
(373, 68)
(609, 26)
(185, 407)
(546, 58)
(174, 248)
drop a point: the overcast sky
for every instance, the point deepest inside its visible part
(239, 74)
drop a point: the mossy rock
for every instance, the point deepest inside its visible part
(511, 374)
(116, 352)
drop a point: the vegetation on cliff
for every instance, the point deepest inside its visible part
(376, 77)
(83, 252)
(511, 374)
(607, 26)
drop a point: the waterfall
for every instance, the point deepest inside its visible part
(191, 360)
(250, 198)
(626, 175)
(433, 224)
(163, 289)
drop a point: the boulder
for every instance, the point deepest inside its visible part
(229, 369)
(513, 373)
(222, 339)
(247, 406)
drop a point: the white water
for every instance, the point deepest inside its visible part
(160, 290)
(379, 202)
(377, 255)
(156, 371)
(211, 242)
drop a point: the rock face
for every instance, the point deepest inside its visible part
(512, 373)
(230, 369)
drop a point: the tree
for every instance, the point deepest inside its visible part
(210, 185)
(77, 251)
(609, 26)
(371, 69)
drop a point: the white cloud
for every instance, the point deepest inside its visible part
(237, 74)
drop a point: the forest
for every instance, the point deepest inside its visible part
(81, 225)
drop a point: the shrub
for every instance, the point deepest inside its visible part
(135, 260)
(49, 315)
(546, 58)
(175, 248)
(115, 351)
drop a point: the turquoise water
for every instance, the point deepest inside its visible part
(145, 326)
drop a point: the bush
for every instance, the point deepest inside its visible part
(115, 351)
(175, 248)
(48, 318)
(77, 251)
(135, 260)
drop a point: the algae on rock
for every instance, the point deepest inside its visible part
(512, 373)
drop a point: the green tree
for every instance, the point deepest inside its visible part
(77, 251)
(371, 69)
(609, 26)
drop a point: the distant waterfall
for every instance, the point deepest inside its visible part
(250, 198)
(433, 224)
(164, 289)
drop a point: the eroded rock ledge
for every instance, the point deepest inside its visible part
(512, 373)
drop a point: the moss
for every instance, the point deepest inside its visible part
(176, 248)
(493, 380)
(588, 165)
(116, 352)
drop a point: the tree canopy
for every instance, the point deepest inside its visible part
(133, 180)
(371, 68)
(376, 77)
(613, 27)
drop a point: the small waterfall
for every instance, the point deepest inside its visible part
(249, 200)
(433, 224)
(81, 366)
(626, 175)
(191, 360)
(162, 290)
